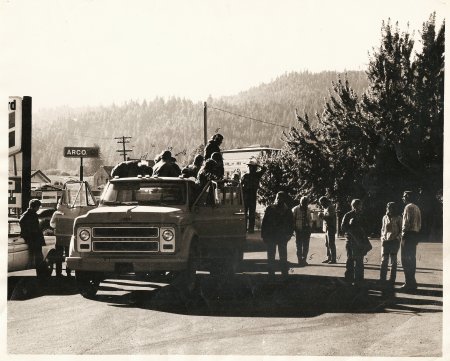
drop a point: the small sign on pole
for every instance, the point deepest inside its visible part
(81, 152)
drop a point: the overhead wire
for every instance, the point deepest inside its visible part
(247, 117)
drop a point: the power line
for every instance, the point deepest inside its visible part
(244, 116)
(123, 151)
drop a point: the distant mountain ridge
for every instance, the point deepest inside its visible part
(177, 124)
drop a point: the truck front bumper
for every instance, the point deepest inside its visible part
(105, 264)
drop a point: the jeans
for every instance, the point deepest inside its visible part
(354, 267)
(61, 253)
(389, 249)
(330, 243)
(302, 238)
(282, 252)
(408, 254)
(250, 209)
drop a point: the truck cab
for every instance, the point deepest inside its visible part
(158, 224)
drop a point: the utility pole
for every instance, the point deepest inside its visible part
(123, 151)
(205, 122)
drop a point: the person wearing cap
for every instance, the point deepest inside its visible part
(213, 145)
(276, 230)
(250, 185)
(166, 167)
(328, 214)
(192, 169)
(302, 218)
(32, 234)
(411, 224)
(131, 168)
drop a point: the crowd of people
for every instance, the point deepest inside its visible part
(279, 223)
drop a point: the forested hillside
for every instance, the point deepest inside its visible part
(158, 124)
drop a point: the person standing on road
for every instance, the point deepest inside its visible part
(276, 230)
(32, 234)
(213, 145)
(391, 231)
(302, 217)
(250, 185)
(328, 215)
(357, 244)
(411, 225)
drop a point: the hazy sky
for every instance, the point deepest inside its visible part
(96, 52)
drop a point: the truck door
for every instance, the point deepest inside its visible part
(76, 200)
(218, 214)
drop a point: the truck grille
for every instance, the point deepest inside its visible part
(128, 232)
(125, 246)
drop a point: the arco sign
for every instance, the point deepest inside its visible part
(81, 152)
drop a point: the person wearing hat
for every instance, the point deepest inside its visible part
(302, 218)
(166, 167)
(276, 230)
(250, 185)
(411, 225)
(213, 145)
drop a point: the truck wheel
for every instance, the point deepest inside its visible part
(187, 278)
(87, 283)
(233, 262)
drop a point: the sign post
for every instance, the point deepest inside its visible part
(81, 152)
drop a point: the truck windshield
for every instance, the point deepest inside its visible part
(156, 193)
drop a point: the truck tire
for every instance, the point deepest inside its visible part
(87, 283)
(187, 278)
(228, 265)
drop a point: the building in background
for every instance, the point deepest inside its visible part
(235, 160)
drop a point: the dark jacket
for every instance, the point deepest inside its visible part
(166, 169)
(30, 230)
(211, 148)
(353, 226)
(277, 224)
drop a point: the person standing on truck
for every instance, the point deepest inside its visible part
(276, 230)
(328, 214)
(302, 217)
(213, 145)
(250, 185)
(32, 234)
(166, 167)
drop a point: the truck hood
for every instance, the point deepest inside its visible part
(132, 214)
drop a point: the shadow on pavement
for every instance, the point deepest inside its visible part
(258, 296)
(26, 287)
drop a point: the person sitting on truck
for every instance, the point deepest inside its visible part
(167, 166)
(219, 170)
(206, 174)
(192, 169)
(131, 168)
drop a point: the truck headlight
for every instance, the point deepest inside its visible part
(168, 235)
(84, 235)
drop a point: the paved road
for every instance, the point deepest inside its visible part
(313, 313)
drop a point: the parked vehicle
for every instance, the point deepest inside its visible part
(19, 255)
(76, 200)
(45, 215)
(151, 225)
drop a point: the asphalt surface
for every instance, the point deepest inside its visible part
(313, 313)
